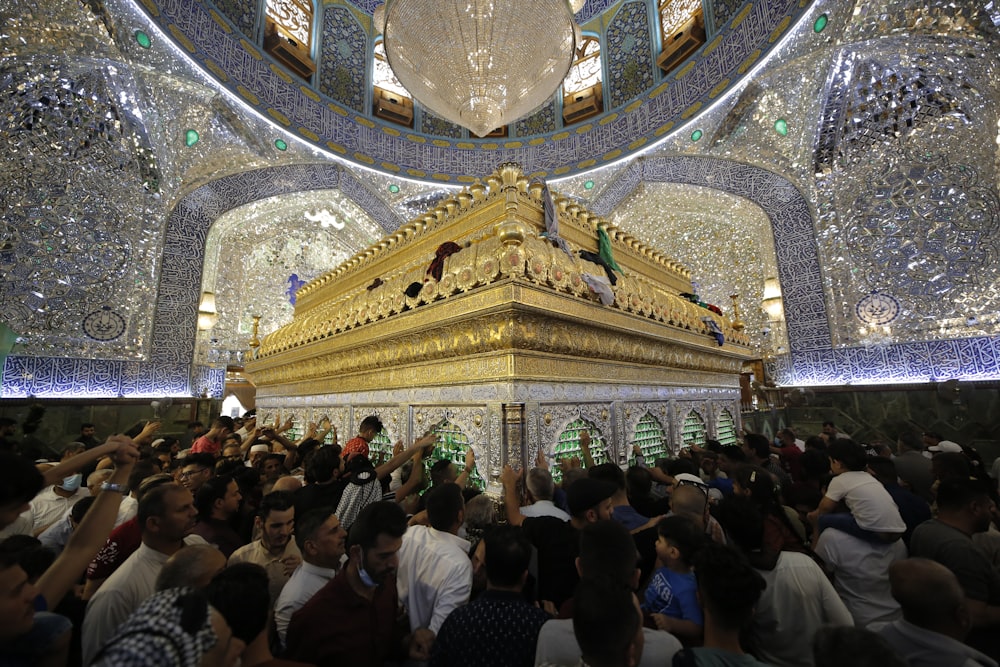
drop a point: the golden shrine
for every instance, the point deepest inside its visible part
(505, 348)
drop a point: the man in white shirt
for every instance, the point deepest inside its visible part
(55, 502)
(435, 572)
(541, 489)
(860, 570)
(798, 599)
(166, 516)
(320, 538)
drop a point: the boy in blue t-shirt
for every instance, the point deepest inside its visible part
(672, 594)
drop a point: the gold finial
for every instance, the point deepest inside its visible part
(737, 323)
(254, 339)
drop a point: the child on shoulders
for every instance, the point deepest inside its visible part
(872, 514)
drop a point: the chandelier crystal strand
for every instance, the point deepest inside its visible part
(480, 63)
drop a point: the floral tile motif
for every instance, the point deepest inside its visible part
(431, 124)
(540, 122)
(630, 62)
(343, 72)
(243, 13)
(724, 10)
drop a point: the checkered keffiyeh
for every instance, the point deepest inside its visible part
(172, 628)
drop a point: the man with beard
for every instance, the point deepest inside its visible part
(352, 619)
(275, 551)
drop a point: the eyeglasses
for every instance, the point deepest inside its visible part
(191, 473)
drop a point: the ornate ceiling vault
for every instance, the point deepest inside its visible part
(154, 150)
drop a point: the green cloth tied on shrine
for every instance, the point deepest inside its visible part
(604, 250)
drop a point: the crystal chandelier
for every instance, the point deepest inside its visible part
(480, 63)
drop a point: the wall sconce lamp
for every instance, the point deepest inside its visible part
(208, 315)
(771, 303)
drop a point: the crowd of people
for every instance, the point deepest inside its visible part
(237, 545)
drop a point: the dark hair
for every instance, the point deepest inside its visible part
(7, 421)
(883, 468)
(240, 593)
(911, 440)
(508, 553)
(948, 465)
(273, 456)
(307, 446)
(21, 479)
(444, 504)
(765, 494)
(371, 422)
(954, 493)
(381, 518)
(154, 503)
(225, 422)
(682, 532)
(202, 459)
(758, 482)
(759, 445)
(814, 464)
(28, 552)
(638, 482)
(608, 552)
(713, 446)
(734, 453)
(80, 508)
(140, 471)
(933, 435)
(231, 468)
(829, 423)
(165, 446)
(193, 424)
(728, 585)
(605, 621)
(439, 471)
(610, 473)
(742, 522)
(278, 501)
(321, 464)
(86, 425)
(815, 442)
(306, 527)
(849, 453)
(213, 489)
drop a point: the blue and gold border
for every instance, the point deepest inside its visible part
(227, 55)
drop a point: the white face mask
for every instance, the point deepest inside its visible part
(71, 483)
